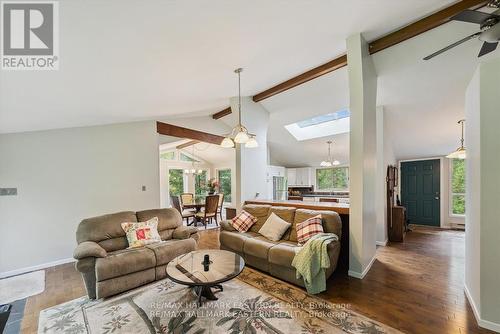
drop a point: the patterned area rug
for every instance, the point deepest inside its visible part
(252, 303)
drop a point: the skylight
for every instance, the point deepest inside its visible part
(321, 126)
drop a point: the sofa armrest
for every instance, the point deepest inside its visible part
(89, 249)
(226, 226)
(184, 232)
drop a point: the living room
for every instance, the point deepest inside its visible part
(194, 166)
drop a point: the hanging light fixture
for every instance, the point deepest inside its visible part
(239, 134)
(459, 153)
(193, 169)
(329, 162)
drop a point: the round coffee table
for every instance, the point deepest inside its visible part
(189, 269)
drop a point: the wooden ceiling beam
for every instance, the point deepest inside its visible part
(178, 131)
(189, 143)
(429, 22)
(222, 113)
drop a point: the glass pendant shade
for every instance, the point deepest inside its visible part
(241, 137)
(460, 153)
(227, 143)
(186, 171)
(251, 143)
(335, 163)
(325, 164)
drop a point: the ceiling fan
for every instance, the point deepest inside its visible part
(489, 25)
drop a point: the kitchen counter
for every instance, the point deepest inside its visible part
(340, 208)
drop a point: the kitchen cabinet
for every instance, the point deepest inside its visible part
(299, 176)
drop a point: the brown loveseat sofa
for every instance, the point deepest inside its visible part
(108, 267)
(276, 257)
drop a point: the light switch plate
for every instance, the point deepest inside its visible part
(8, 191)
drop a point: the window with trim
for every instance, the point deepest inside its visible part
(185, 157)
(224, 177)
(457, 187)
(168, 155)
(332, 179)
(200, 184)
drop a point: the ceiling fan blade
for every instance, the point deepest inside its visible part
(487, 48)
(472, 16)
(463, 40)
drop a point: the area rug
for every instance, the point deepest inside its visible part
(21, 286)
(251, 303)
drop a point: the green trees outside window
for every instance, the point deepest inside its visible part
(224, 176)
(200, 184)
(329, 179)
(458, 186)
(176, 181)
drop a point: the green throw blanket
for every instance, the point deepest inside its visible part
(312, 260)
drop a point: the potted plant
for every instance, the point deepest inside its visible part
(213, 186)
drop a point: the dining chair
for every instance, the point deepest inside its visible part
(221, 203)
(210, 212)
(187, 198)
(186, 214)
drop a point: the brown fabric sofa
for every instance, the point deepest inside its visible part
(273, 257)
(108, 267)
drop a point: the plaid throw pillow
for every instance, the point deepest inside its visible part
(308, 228)
(243, 221)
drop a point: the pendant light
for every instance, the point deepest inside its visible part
(329, 162)
(193, 169)
(459, 153)
(239, 134)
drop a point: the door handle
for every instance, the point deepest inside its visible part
(436, 197)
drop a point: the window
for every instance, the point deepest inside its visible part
(168, 155)
(457, 187)
(185, 157)
(329, 179)
(176, 181)
(200, 183)
(224, 176)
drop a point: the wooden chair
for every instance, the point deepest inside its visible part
(221, 203)
(211, 205)
(334, 200)
(186, 214)
(187, 198)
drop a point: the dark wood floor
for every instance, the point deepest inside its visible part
(416, 287)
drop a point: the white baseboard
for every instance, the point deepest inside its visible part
(356, 274)
(482, 323)
(34, 268)
(381, 243)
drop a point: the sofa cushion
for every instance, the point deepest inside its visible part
(143, 233)
(235, 240)
(308, 228)
(283, 253)
(274, 227)
(166, 251)
(168, 219)
(124, 262)
(259, 211)
(243, 221)
(258, 247)
(286, 213)
(104, 228)
(331, 221)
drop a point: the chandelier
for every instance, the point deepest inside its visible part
(239, 134)
(193, 169)
(329, 162)
(460, 152)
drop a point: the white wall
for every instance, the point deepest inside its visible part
(363, 156)
(63, 176)
(482, 251)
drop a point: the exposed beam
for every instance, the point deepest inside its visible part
(222, 113)
(178, 131)
(189, 143)
(429, 22)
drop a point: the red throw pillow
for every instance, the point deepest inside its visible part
(243, 221)
(308, 228)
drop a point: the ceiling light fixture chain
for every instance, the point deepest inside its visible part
(459, 153)
(329, 162)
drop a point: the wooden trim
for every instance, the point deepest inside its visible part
(429, 22)
(341, 209)
(189, 143)
(303, 78)
(222, 113)
(178, 131)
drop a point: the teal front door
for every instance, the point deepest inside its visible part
(420, 191)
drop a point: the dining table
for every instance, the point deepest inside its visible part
(197, 205)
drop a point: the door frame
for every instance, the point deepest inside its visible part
(442, 217)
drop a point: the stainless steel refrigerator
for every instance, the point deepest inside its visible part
(280, 188)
